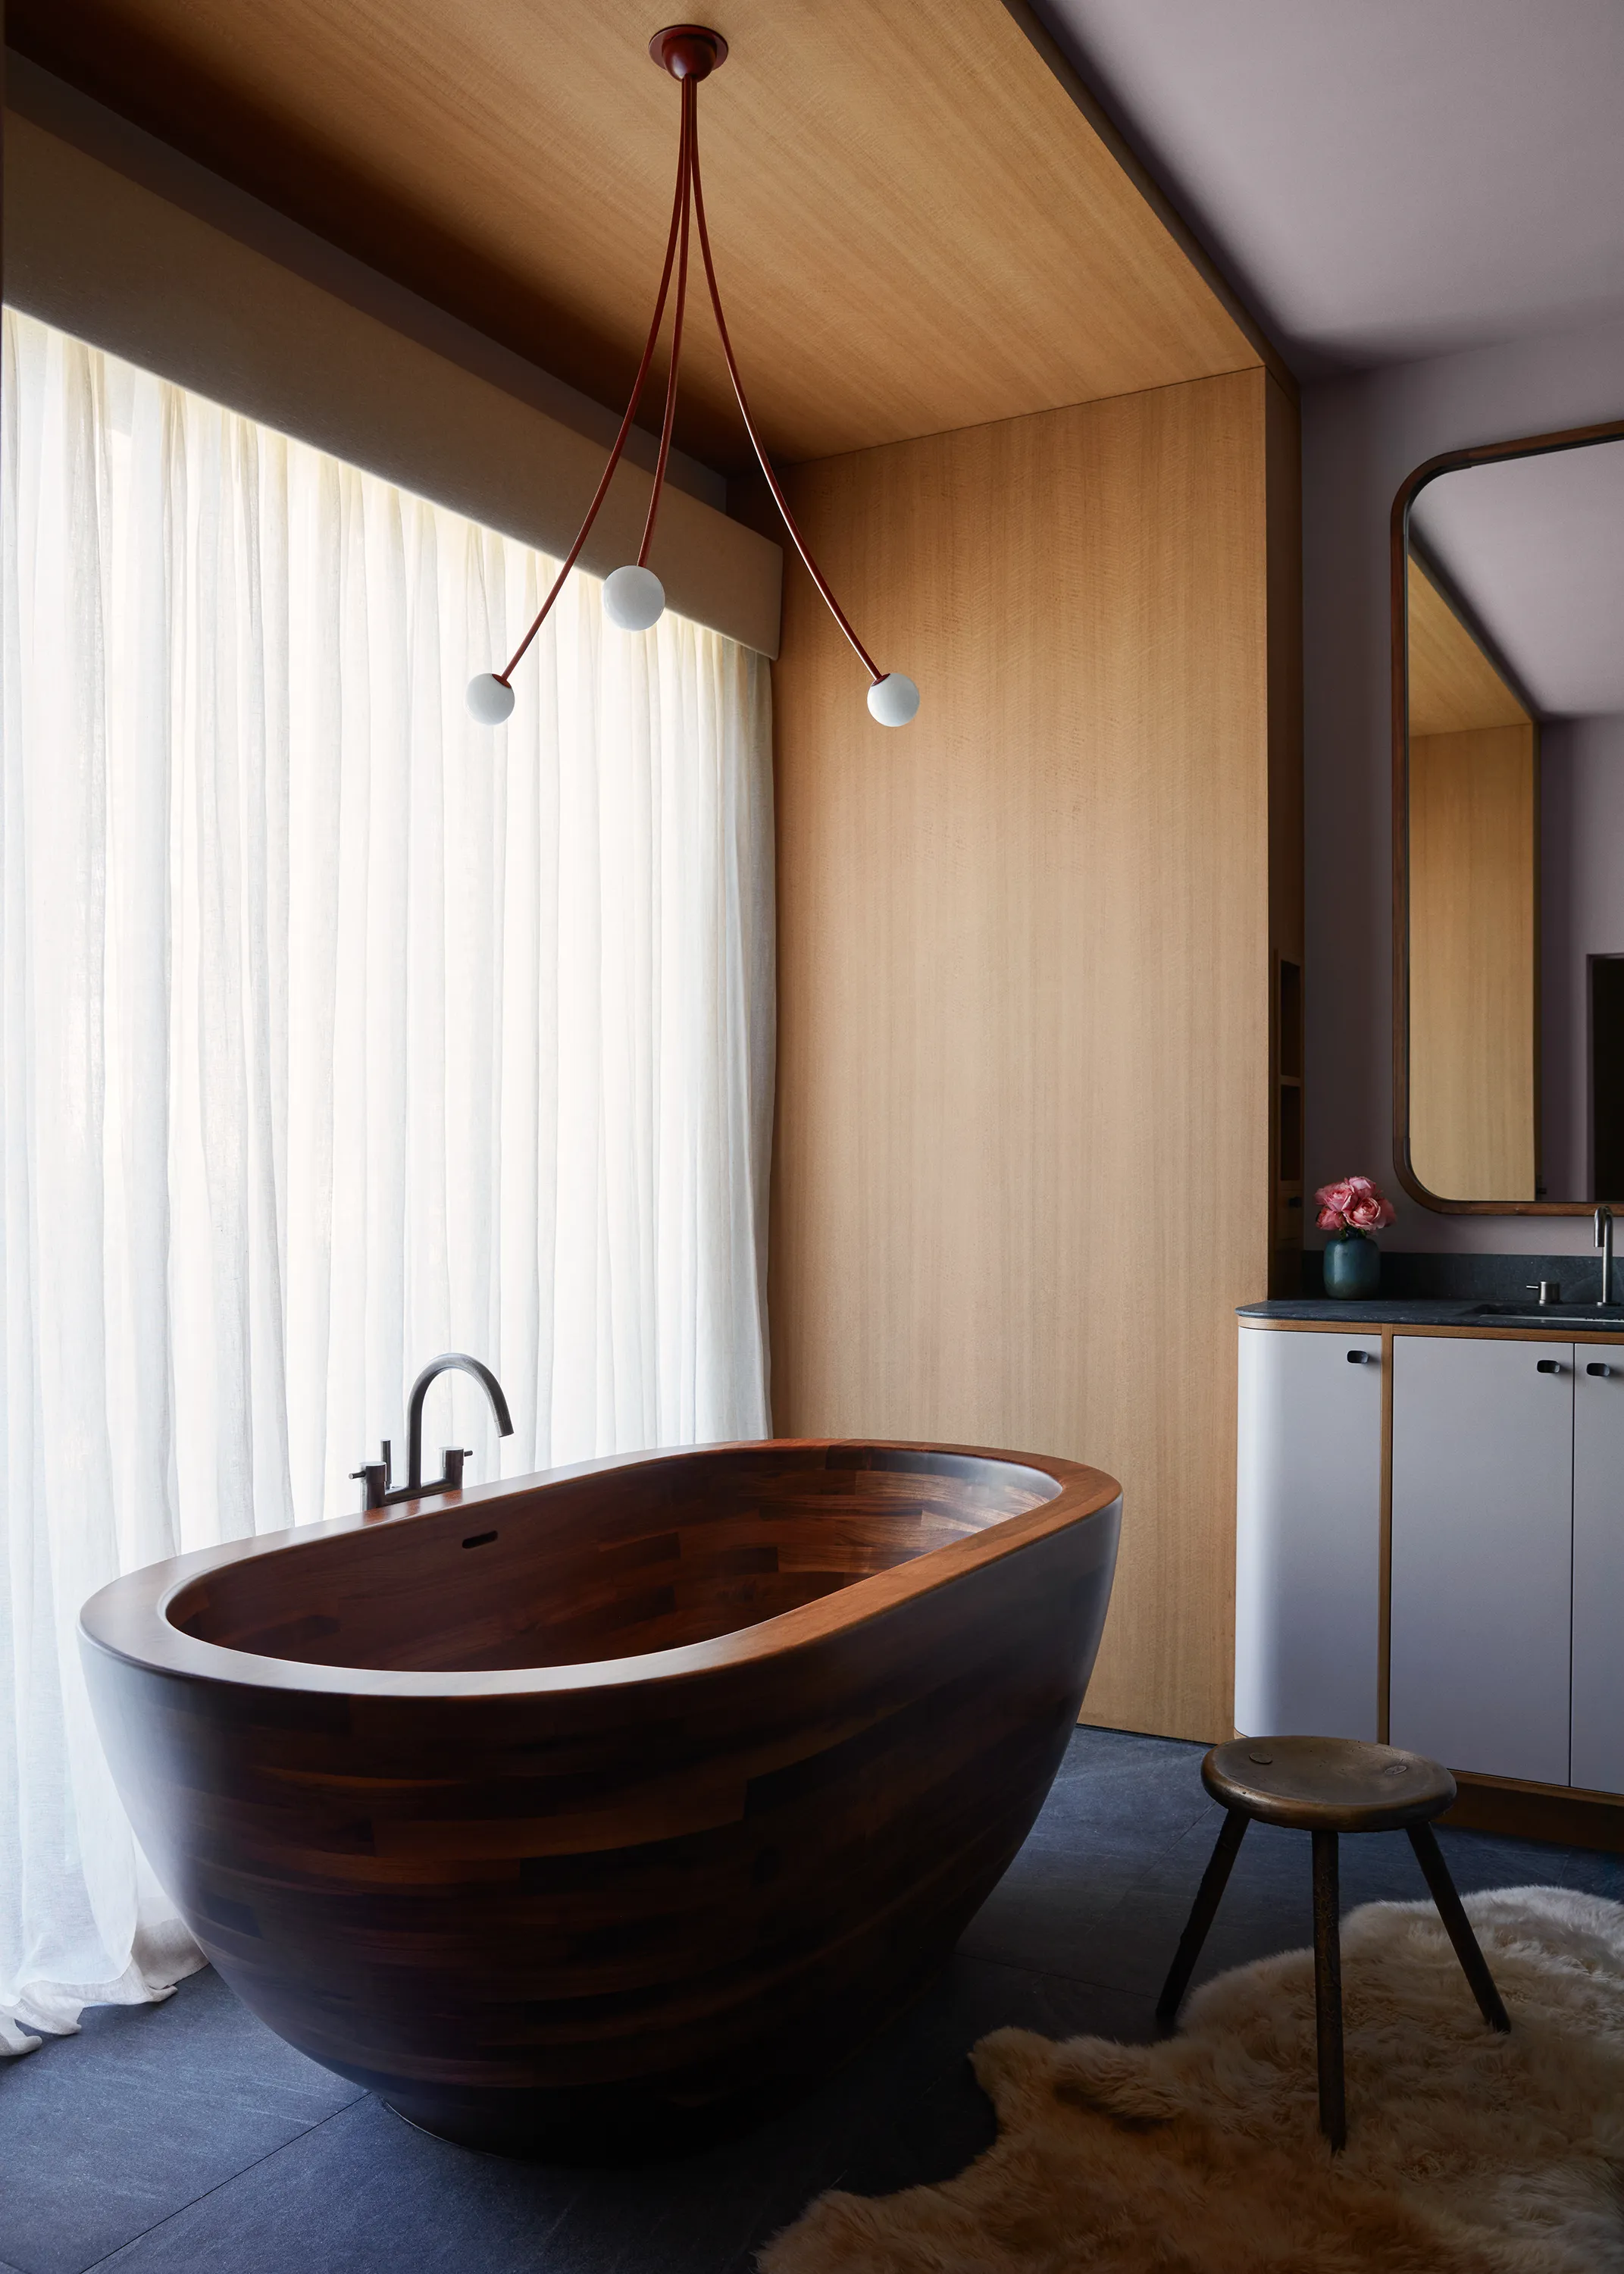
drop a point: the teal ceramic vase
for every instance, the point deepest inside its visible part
(1352, 1266)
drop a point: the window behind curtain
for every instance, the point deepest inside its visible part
(337, 1031)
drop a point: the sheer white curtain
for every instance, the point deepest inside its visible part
(336, 1031)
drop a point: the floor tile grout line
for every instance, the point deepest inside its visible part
(232, 2179)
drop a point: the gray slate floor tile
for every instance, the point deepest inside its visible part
(106, 2133)
(363, 2190)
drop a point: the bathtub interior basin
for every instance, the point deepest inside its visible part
(614, 1564)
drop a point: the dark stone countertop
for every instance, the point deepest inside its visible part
(1413, 1311)
(1380, 1311)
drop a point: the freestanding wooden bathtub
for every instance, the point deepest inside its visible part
(590, 1811)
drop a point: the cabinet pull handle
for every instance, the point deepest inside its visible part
(1359, 1358)
(1550, 1366)
(1594, 1367)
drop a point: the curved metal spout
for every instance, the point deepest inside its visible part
(448, 1362)
(376, 1487)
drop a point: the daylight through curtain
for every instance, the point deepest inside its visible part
(337, 1031)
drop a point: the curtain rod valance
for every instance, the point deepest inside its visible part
(99, 255)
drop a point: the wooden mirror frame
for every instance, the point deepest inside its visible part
(1528, 446)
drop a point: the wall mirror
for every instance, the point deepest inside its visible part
(1509, 826)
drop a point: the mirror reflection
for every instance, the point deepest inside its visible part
(1515, 838)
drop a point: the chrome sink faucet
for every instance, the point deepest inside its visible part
(1603, 1240)
(376, 1491)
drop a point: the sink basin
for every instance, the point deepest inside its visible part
(1554, 1314)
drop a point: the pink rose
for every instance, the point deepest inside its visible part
(1369, 1213)
(1353, 1204)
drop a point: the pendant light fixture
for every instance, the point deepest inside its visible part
(634, 597)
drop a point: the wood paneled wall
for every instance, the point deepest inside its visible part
(1023, 1166)
(1474, 913)
(1474, 862)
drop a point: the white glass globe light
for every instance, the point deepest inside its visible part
(894, 699)
(490, 698)
(633, 598)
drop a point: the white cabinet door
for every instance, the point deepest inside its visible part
(1598, 1567)
(1308, 1534)
(1482, 1553)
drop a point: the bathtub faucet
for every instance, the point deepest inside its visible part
(376, 1491)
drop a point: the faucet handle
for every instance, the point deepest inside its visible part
(1549, 1290)
(374, 1482)
(452, 1457)
(375, 1479)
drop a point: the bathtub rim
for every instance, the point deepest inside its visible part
(128, 1618)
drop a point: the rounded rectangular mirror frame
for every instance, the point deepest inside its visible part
(1527, 446)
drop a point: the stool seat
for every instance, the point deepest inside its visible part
(1327, 1784)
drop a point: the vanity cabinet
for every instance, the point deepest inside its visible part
(1482, 1553)
(1308, 1570)
(1429, 1545)
(1598, 1568)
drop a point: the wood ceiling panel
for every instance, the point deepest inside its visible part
(916, 228)
(1453, 685)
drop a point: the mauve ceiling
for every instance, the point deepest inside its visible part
(1386, 178)
(1536, 546)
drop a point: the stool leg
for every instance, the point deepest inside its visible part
(1202, 1913)
(1329, 1988)
(1474, 1966)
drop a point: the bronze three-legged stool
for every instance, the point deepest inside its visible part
(1326, 1785)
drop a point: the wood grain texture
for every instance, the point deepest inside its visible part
(916, 227)
(587, 1813)
(1327, 1784)
(1284, 517)
(1022, 1176)
(1539, 1812)
(1473, 962)
(1453, 684)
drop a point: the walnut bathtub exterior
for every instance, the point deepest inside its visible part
(596, 1809)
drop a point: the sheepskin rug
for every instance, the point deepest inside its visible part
(1467, 2152)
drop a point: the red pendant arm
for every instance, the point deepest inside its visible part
(690, 90)
(679, 227)
(801, 546)
(688, 185)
